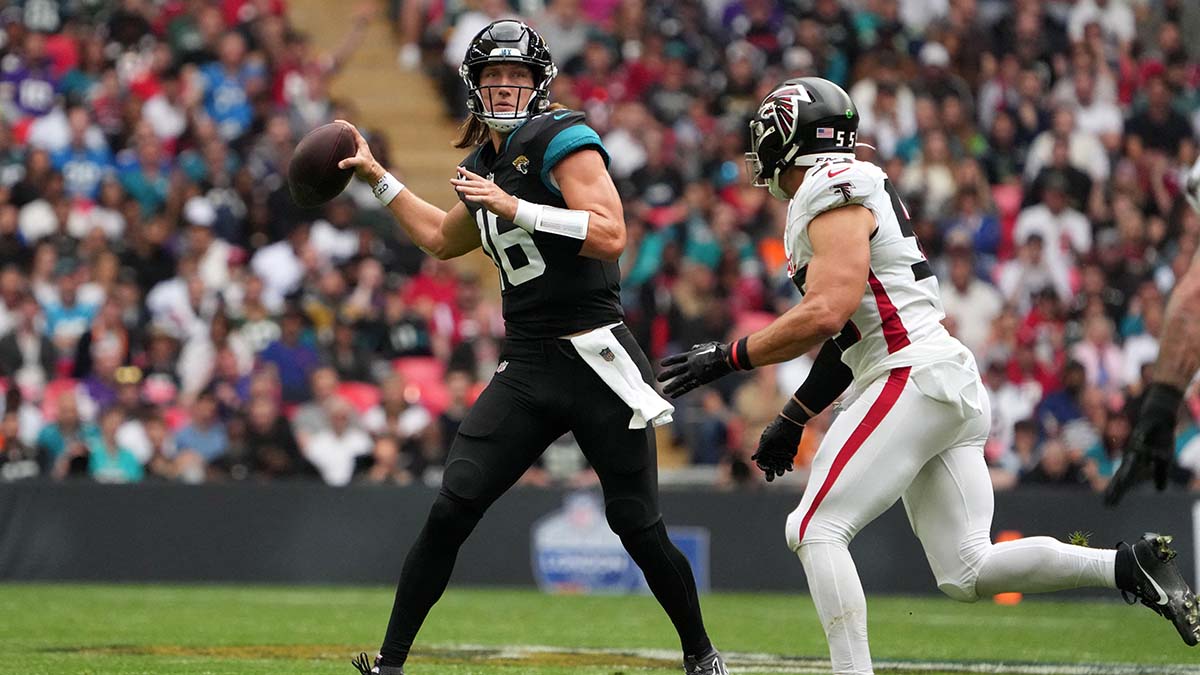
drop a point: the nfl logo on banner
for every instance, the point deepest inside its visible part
(824, 132)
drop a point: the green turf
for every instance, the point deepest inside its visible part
(224, 630)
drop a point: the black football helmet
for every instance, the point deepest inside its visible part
(800, 123)
(507, 41)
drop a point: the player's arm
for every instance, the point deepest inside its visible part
(837, 278)
(779, 442)
(443, 234)
(586, 186)
(1151, 446)
(593, 214)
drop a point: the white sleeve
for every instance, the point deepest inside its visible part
(837, 184)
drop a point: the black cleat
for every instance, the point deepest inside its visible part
(708, 664)
(1145, 572)
(365, 667)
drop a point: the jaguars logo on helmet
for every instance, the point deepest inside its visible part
(507, 41)
(802, 122)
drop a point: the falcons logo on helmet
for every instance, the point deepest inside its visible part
(782, 106)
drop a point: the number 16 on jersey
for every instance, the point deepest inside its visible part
(512, 250)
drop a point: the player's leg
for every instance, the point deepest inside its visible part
(950, 507)
(864, 464)
(500, 438)
(626, 462)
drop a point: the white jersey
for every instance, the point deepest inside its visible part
(898, 321)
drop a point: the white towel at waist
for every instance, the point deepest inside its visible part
(602, 351)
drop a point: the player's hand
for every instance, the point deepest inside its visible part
(363, 162)
(1151, 447)
(476, 188)
(700, 365)
(777, 447)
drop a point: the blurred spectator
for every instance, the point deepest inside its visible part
(110, 462)
(313, 416)
(18, 460)
(385, 464)
(27, 355)
(351, 360)
(1101, 358)
(203, 441)
(408, 422)
(971, 303)
(64, 442)
(272, 451)
(458, 387)
(335, 448)
(1103, 458)
(1055, 468)
(293, 359)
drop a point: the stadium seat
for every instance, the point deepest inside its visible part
(362, 395)
(428, 375)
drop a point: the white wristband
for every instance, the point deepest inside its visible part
(541, 218)
(386, 188)
(528, 215)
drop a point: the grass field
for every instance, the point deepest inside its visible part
(230, 630)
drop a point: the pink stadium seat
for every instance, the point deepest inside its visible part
(362, 395)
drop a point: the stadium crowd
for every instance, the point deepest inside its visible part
(167, 312)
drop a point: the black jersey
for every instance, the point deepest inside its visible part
(548, 289)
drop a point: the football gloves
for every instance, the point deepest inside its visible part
(702, 364)
(1151, 447)
(777, 447)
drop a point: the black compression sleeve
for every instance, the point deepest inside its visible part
(826, 381)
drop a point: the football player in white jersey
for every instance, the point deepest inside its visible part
(914, 422)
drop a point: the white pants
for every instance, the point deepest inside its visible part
(918, 434)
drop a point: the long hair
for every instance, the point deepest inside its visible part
(473, 131)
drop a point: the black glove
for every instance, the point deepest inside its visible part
(777, 447)
(1151, 446)
(701, 365)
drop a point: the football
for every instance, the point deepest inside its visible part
(313, 174)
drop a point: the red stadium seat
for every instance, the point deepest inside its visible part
(428, 375)
(362, 395)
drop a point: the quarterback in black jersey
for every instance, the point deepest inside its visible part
(536, 195)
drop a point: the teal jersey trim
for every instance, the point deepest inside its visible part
(567, 141)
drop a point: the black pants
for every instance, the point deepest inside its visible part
(541, 390)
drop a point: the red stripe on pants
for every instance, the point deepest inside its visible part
(878, 410)
(893, 329)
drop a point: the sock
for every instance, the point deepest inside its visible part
(1042, 564)
(1125, 578)
(841, 605)
(425, 575)
(670, 579)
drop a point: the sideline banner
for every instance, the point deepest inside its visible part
(575, 551)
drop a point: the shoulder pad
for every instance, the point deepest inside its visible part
(838, 183)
